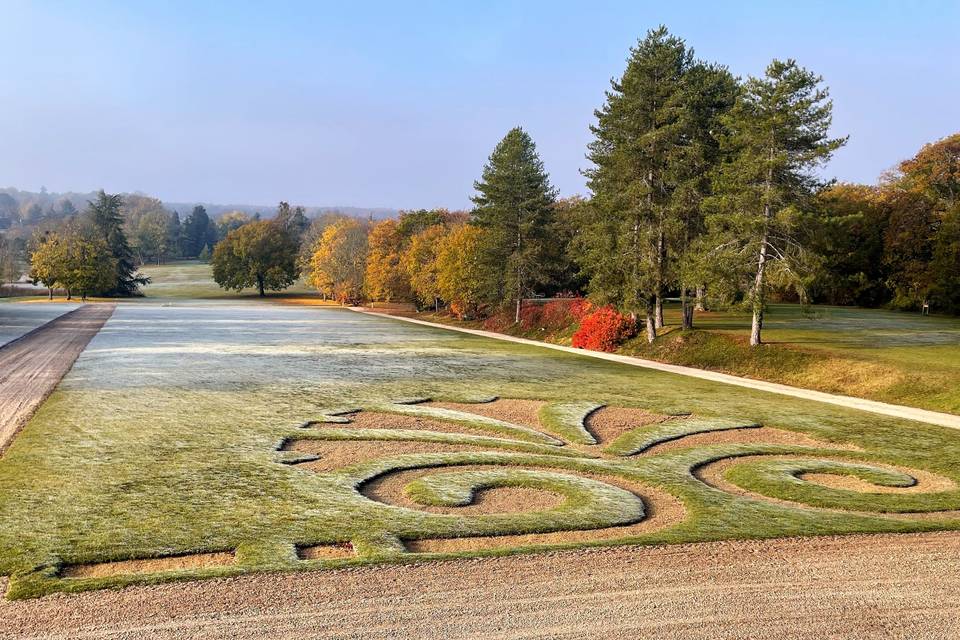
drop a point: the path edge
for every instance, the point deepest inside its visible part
(849, 402)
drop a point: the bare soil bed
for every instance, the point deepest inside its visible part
(32, 366)
(883, 586)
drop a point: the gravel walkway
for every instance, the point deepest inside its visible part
(884, 586)
(32, 365)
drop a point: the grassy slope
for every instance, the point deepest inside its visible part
(162, 440)
(889, 356)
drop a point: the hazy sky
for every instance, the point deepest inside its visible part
(399, 103)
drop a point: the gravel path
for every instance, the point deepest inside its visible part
(33, 365)
(884, 586)
(883, 408)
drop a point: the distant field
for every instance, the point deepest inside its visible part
(194, 279)
(221, 438)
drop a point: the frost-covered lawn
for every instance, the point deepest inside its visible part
(18, 317)
(169, 437)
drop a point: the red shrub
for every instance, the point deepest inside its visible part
(603, 330)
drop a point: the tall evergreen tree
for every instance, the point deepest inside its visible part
(647, 146)
(514, 203)
(776, 135)
(104, 214)
(198, 231)
(175, 235)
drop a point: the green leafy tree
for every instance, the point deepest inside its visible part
(259, 254)
(48, 261)
(775, 135)
(514, 204)
(153, 236)
(89, 265)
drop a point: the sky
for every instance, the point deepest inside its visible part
(399, 104)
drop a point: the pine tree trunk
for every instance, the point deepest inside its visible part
(661, 263)
(758, 293)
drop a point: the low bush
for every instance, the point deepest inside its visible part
(603, 330)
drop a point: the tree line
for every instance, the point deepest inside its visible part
(703, 187)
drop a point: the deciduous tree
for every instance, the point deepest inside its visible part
(259, 254)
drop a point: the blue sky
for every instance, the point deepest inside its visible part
(399, 104)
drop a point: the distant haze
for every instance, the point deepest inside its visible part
(398, 104)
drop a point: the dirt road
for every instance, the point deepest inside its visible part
(882, 408)
(884, 586)
(31, 366)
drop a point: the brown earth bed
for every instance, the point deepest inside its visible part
(149, 565)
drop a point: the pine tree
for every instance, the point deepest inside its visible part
(642, 151)
(514, 204)
(104, 214)
(775, 135)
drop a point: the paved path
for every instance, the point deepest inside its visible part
(31, 366)
(883, 408)
(855, 587)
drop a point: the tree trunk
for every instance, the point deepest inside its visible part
(50, 293)
(651, 322)
(758, 297)
(661, 264)
(69, 295)
(658, 312)
(701, 303)
(651, 328)
(436, 305)
(686, 310)
(260, 286)
(516, 317)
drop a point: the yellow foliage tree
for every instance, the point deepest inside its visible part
(419, 264)
(338, 262)
(385, 280)
(460, 271)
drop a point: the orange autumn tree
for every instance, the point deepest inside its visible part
(385, 280)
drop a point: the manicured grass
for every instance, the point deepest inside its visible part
(165, 439)
(194, 279)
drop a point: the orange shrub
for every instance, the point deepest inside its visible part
(603, 330)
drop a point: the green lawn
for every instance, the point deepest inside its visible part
(892, 356)
(194, 279)
(172, 434)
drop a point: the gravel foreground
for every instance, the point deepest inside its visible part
(882, 586)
